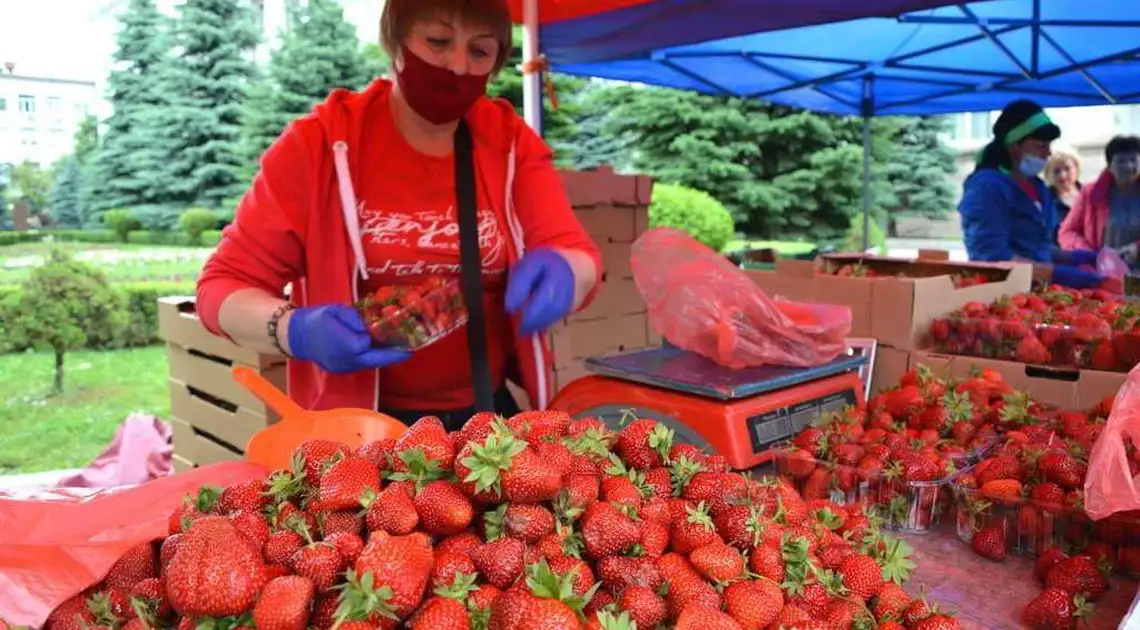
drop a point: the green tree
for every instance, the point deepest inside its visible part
(376, 62)
(86, 138)
(206, 83)
(127, 169)
(319, 52)
(66, 208)
(60, 305)
(558, 124)
(597, 143)
(783, 173)
(921, 172)
(30, 183)
(86, 145)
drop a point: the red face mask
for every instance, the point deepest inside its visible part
(438, 94)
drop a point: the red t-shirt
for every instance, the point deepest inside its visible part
(407, 207)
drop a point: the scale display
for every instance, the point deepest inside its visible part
(675, 369)
(778, 424)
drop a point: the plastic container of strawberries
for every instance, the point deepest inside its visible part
(412, 317)
(1037, 343)
(1031, 527)
(906, 506)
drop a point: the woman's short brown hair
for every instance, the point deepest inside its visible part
(399, 15)
(1058, 158)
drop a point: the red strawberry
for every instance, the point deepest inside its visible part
(754, 604)
(695, 530)
(284, 604)
(539, 426)
(440, 613)
(891, 602)
(281, 546)
(700, 617)
(937, 622)
(252, 525)
(443, 509)
(644, 444)
(862, 576)
(1078, 575)
(344, 484)
(606, 531)
(620, 572)
(645, 608)
(380, 452)
(449, 566)
(500, 562)
(138, 563)
(400, 564)
(192, 508)
(1055, 609)
(528, 523)
(989, 542)
(1048, 559)
(392, 511)
(246, 495)
(315, 455)
(429, 437)
(505, 467)
(349, 546)
(215, 573)
(718, 562)
(320, 562)
(768, 561)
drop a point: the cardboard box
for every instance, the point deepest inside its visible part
(890, 366)
(602, 186)
(616, 261)
(895, 310)
(1066, 388)
(581, 339)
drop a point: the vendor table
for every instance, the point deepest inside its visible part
(987, 595)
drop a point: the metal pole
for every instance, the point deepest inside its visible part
(532, 81)
(868, 107)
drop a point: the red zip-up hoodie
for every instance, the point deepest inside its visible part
(299, 224)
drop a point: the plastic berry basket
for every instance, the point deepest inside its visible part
(1031, 527)
(906, 506)
(412, 317)
(1037, 343)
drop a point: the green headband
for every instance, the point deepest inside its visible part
(1026, 128)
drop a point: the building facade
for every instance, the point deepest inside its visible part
(39, 115)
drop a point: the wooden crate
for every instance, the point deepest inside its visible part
(196, 448)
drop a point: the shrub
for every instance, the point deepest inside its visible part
(209, 238)
(693, 211)
(138, 300)
(854, 239)
(61, 306)
(122, 223)
(195, 221)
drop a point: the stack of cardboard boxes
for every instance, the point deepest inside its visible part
(614, 209)
(898, 299)
(211, 415)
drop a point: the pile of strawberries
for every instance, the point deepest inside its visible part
(1088, 328)
(413, 316)
(531, 522)
(861, 270)
(895, 452)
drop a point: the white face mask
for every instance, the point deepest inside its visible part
(1031, 165)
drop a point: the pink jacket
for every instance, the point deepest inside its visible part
(1085, 225)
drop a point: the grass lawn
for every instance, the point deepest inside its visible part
(120, 262)
(39, 432)
(786, 248)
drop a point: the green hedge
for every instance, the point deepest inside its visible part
(141, 301)
(210, 238)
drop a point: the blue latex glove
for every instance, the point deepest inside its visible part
(1082, 257)
(1075, 277)
(335, 337)
(542, 286)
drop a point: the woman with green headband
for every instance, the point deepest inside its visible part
(1007, 210)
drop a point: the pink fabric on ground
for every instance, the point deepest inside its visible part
(140, 452)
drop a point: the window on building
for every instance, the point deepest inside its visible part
(27, 106)
(3, 104)
(55, 107)
(972, 126)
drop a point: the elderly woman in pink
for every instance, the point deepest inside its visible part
(1107, 213)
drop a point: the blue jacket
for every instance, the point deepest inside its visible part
(1001, 222)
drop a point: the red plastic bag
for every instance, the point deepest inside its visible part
(57, 543)
(701, 302)
(1110, 486)
(1110, 264)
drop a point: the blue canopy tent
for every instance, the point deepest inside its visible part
(966, 57)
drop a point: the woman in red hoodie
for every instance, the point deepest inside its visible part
(1107, 214)
(361, 193)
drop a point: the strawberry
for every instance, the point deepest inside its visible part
(252, 525)
(1066, 472)
(989, 542)
(1002, 489)
(545, 601)
(393, 511)
(138, 563)
(215, 573)
(694, 531)
(1048, 494)
(428, 436)
(718, 562)
(1048, 559)
(380, 452)
(315, 455)
(606, 530)
(500, 562)
(581, 577)
(450, 566)
(753, 604)
(861, 576)
(620, 572)
(284, 604)
(810, 439)
(247, 495)
(768, 561)
(1055, 609)
(320, 562)
(345, 483)
(581, 490)
(1031, 350)
(281, 545)
(528, 523)
(937, 622)
(440, 613)
(443, 509)
(349, 546)
(389, 577)
(799, 463)
(891, 601)
(539, 426)
(644, 444)
(193, 508)
(645, 608)
(700, 617)
(506, 467)
(1078, 575)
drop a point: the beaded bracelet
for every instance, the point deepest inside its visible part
(275, 319)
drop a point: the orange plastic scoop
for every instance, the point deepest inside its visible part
(273, 447)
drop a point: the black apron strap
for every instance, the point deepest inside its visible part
(471, 268)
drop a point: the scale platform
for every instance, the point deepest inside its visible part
(736, 413)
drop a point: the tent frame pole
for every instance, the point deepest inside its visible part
(868, 110)
(532, 81)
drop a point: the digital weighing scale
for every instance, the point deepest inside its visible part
(736, 413)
